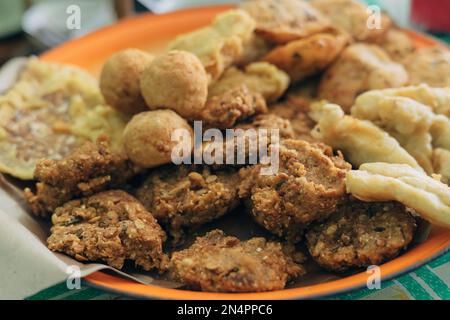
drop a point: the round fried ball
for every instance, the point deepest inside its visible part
(147, 137)
(119, 80)
(177, 81)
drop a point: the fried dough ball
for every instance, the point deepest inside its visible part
(430, 66)
(111, 226)
(237, 104)
(220, 263)
(176, 80)
(148, 137)
(306, 57)
(282, 21)
(308, 186)
(353, 18)
(361, 234)
(188, 196)
(119, 80)
(359, 68)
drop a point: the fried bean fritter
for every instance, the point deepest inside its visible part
(430, 66)
(354, 18)
(308, 186)
(359, 68)
(306, 57)
(282, 21)
(361, 234)
(110, 226)
(188, 196)
(219, 263)
(89, 169)
(237, 104)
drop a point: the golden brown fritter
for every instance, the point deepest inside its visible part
(429, 65)
(89, 169)
(295, 109)
(359, 68)
(270, 121)
(119, 80)
(178, 81)
(149, 138)
(397, 44)
(306, 57)
(354, 18)
(308, 186)
(182, 197)
(110, 226)
(281, 21)
(219, 263)
(237, 104)
(361, 234)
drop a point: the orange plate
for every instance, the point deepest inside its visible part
(151, 32)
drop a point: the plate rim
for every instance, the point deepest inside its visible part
(437, 244)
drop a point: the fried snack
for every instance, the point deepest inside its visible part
(429, 197)
(270, 121)
(397, 44)
(220, 44)
(119, 80)
(354, 18)
(360, 67)
(260, 77)
(296, 109)
(282, 21)
(438, 99)
(219, 263)
(176, 81)
(305, 57)
(50, 111)
(441, 164)
(237, 104)
(415, 126)
(253, 50)
(183, 197)
(361, 234)
(360, 140)
(91, 168)
(111, 226)
(307, 187)
(149, 138)
(429, 65)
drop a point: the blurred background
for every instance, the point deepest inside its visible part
(32, 26)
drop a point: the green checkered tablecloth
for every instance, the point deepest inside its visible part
(429, 282)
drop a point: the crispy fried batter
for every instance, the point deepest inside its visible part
(306, 57)
(261, 77)
(188, 196)
(296, 109)
(361, 234)
(111, 226)
(237, 104)
(253, 50)
(307, 187)
(220, 44)
(429, 65)
(398, 182)
(89, 169)
(281, 21)
(360, 67)
(219, 263)
(49, 112)
(270, 121)
(354, 18)
(360, 140)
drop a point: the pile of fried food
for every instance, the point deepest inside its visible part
(364, 120)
